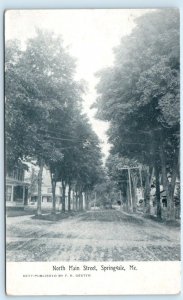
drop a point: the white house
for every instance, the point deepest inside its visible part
(16, 188)
(46, 191)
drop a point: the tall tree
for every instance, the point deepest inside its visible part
(140, 93)
(40, 93)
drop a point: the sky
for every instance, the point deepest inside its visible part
(89, 34)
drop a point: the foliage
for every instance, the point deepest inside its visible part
(40, 92)
(44, 119)
(140, 94)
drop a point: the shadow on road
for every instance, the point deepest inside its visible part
(107, 216)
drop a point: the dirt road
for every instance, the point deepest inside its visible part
(107, 235)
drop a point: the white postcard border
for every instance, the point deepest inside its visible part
(93, 278)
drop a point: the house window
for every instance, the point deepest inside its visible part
(9, 173)
(18, 193)
(20, 175)
(44, 199)
(34, 199)
(49, 199)
(8, 192)
(15, 173)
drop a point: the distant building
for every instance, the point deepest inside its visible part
(16, 188)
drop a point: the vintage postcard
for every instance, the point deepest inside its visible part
(92, 133)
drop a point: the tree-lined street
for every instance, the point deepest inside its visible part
(108, 235)
(138, 96)
(124, 205)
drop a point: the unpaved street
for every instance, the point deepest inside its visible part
(108, 235)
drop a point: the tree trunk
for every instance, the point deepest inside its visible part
(147, 195)
(134, 198)
(165, 181)
(76, 200)
(151, 176)
(63, 196)
(69, 198)
(127, 207)
(80, 201)
(130, 191)
(158, 201)
(86, 201)
(53, 184)
(175, 169)
(31, 188)
(40, 174)
(169, 187)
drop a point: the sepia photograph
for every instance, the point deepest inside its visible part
(92, 135)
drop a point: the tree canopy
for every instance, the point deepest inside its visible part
(44, 118)
(140, 94)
